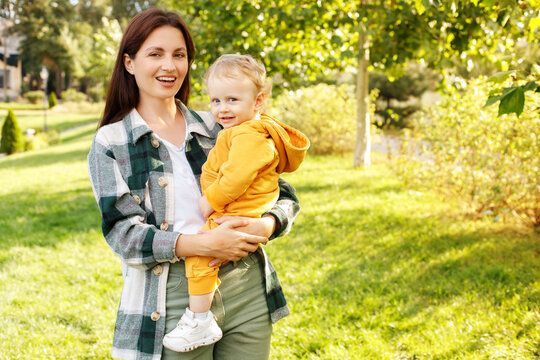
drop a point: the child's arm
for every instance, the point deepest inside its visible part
(205, 207)
(248, 154)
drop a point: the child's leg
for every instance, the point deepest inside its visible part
(197, 327)
(201, 303)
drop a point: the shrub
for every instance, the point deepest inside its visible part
(12, 139)
(96, 94)
(465, 150)
(34, 96)
(73, 95)
(325, 113)
(41, 140)
(52, 100)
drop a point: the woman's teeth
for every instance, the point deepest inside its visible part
(165, 78)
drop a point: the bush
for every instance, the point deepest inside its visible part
(325, 113)
(73, 95)
(41, 140)
(34, 96)
(12, 139)
(465, 150)
(52, 100)
(96, 94)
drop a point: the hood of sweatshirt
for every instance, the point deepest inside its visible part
(291, 144)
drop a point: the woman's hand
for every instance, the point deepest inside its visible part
(264, 226)
(225, 242)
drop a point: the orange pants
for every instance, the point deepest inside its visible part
(202, 279)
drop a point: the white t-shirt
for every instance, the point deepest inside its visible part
(188, 218)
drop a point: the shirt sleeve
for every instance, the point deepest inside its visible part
(285, 210)
(248, 154)
(124, 223)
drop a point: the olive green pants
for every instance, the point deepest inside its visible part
(240, 308)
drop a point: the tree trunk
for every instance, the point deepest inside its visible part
(59, 81)
(362, 151)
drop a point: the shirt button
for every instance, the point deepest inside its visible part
(155, 316)
(162, 182)
(137, 199)
(164, 226)
(155, 142)
(158, 270)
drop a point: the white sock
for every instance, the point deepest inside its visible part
(200, 316)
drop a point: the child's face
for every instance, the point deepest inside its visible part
(233, 100)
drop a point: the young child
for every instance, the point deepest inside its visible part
(239, 178)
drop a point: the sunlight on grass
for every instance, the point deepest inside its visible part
(372, 270)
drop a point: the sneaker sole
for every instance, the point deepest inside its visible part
(192, 346)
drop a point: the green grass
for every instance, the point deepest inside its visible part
(20, 106)
(372, 270)
(59, 118)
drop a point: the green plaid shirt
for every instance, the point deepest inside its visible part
(131, 175)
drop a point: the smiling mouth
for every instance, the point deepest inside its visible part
(166, 78)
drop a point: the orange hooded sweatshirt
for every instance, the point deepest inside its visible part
(240, 176)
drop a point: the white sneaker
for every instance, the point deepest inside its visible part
(191, 333)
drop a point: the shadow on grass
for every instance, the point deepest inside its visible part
(73, 136)
(38, 158)
(46, 220)
(348, 185)
(409, 262)
(43, 157)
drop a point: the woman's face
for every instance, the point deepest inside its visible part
(160, 65)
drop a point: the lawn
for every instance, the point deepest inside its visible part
(372, 270)
(59, 118)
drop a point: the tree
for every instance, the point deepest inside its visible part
(124, 10)
(12, 140)
(44, 26)
(299, 40)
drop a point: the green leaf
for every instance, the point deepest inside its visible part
(512, 102)
(531, 85)
(492, 100)
(501, 76)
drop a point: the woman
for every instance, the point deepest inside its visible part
(145, 163)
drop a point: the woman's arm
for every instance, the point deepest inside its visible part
(124, 223)
(225, 242)
(276, 222)
(285, 210)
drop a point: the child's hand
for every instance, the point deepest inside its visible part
(205, 207)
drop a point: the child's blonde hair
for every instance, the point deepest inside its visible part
(233, 65)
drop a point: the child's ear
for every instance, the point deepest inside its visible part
(259, 101)
(128, 64)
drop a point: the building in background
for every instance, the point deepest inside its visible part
(10, 63)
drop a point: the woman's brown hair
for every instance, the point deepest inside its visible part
(123, 93)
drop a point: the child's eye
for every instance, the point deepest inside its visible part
(215, 101)
(232, 99)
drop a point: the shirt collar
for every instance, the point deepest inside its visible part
(137, 127)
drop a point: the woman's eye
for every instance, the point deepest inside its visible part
(180, 55)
